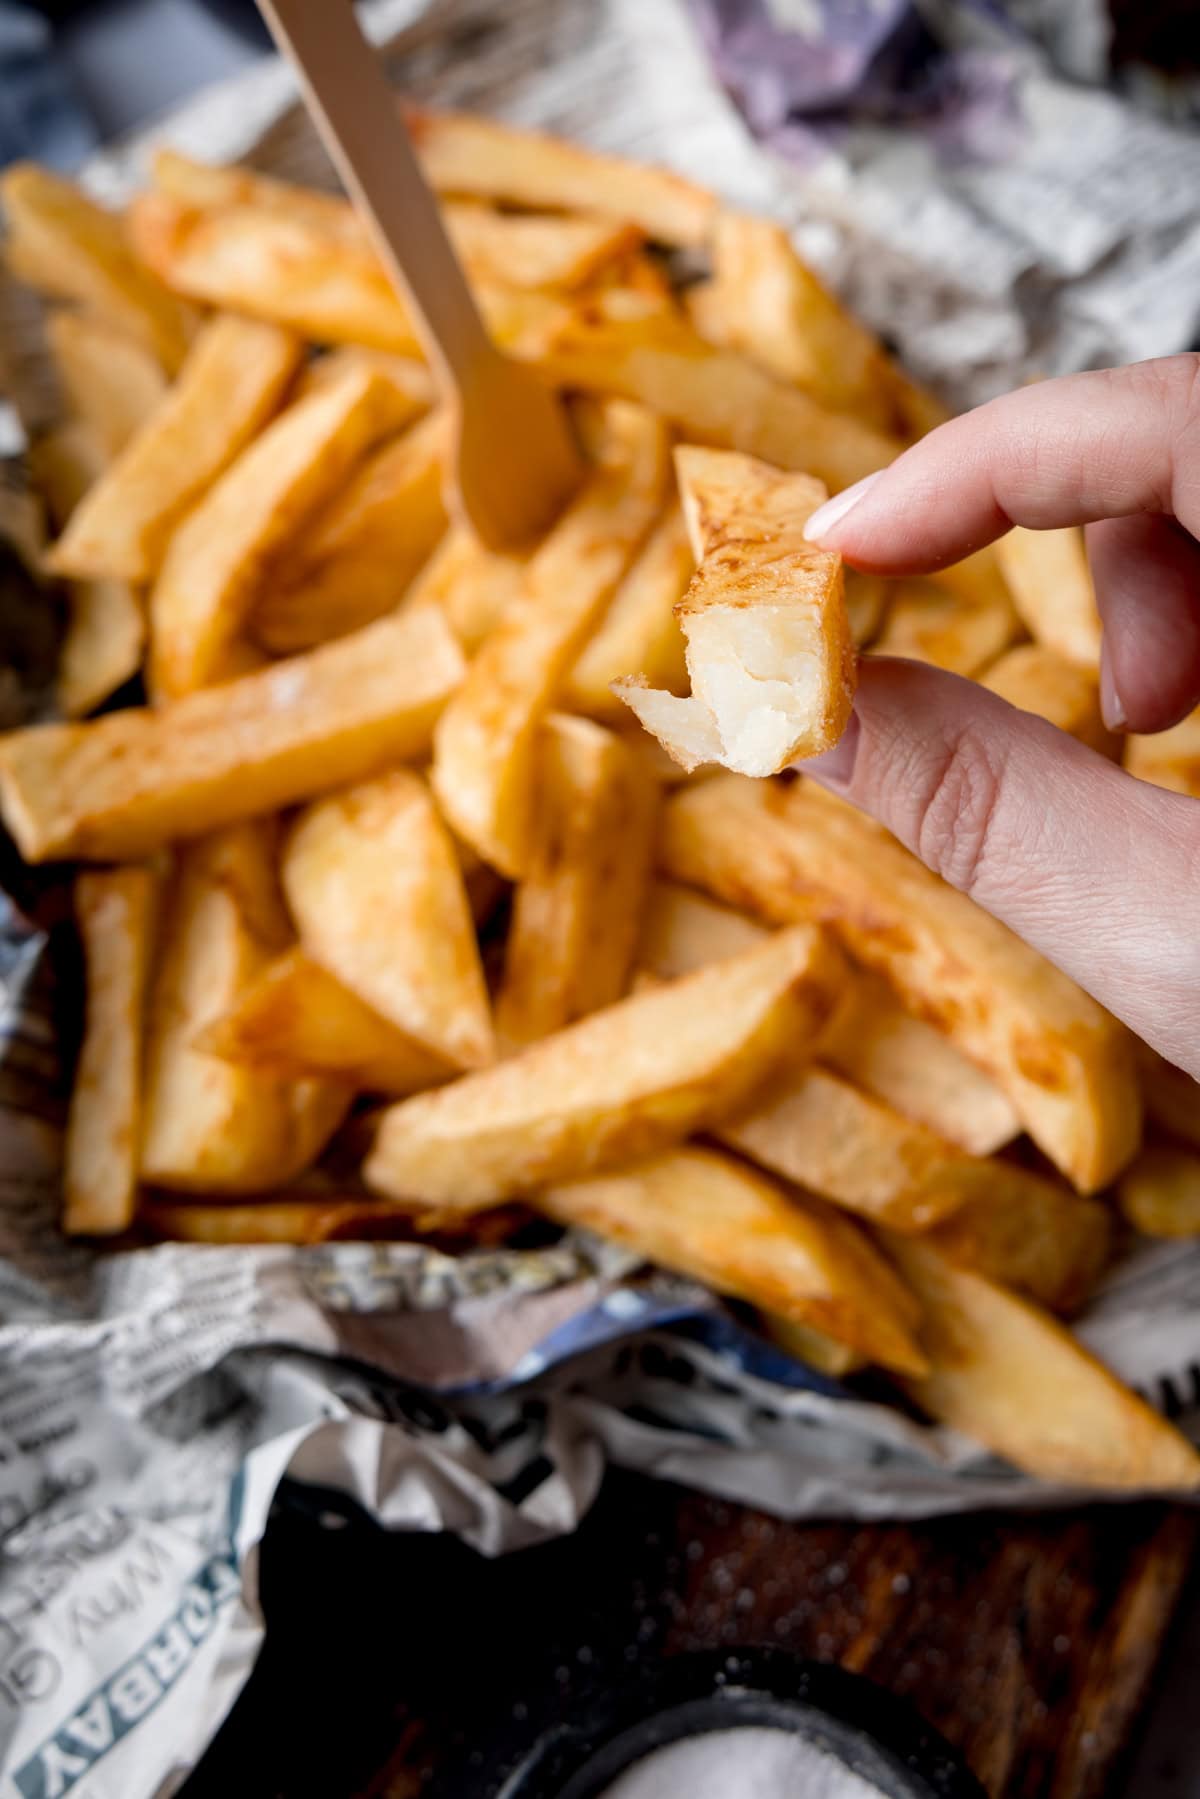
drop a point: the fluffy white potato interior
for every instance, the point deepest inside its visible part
(760, 717)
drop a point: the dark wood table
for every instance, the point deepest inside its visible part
(1031, 1643)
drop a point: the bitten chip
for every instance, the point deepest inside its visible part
(770, 652)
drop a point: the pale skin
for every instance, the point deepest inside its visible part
(1098, 871)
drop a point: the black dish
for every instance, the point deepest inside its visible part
(879, 1737)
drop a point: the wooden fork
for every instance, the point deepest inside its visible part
(515, 461)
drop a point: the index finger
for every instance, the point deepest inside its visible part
(1065, 452)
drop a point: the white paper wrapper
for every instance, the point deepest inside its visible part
(151, 1403)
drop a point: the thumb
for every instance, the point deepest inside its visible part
(1096, 870)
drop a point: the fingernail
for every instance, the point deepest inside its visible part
(835, 769)
(1111, 709)
(831, 514)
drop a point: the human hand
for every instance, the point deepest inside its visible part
(1097, 870)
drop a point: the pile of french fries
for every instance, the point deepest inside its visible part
(397, 921)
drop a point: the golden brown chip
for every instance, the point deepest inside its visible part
(215, 564)
(105, 633)
(926, 622)
(110, 381)
(62, 243)
(577, 914)
(639, 633)
(627, 1081)
(355, 559)
(1169, 759)
(768, 643)
(228, 388)
(298, 1019)
(1051, 585)
(816, 1128)
(128, 783)
(1008, 1375)
(485, 752)
(1160, 1193)
(376, 889)
(465, 154)
(786, 854)
(711, 1217)
(1041, 680)
(627, 344)
(115, 909)
(208, 1125)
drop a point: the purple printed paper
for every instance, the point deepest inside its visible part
(800, 72)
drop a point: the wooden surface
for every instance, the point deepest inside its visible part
(1031, 1643)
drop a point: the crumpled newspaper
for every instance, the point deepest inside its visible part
(996, 219)
(152, 1402)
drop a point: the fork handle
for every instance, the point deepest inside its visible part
(356, 113)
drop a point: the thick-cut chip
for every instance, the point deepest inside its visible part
(463, 154)
(769, 648)
(663, 768)
(774, 309)
(1041, 680)
(270, 1220)
(115, 909)
(979, 580)
(485, 752)
(1048, 1242)
(1169, 759)
(927, 622)
(764, 301)
(627, 344)
(103, 645)
(819, 1130)
(577, 914)
(356, 558)
(228, 388)
(472, 585)
(705, 307)
(274, 266)
(300, 1020)
(545, 252)
(62, 243)
(1172, 1097)
(208, 1125)
(710, 1217)
(135, 780)
(284, 268)
(1160, 1193)
(217, 561)
(1051, 585)
(813, 1347)
(213, 185)
(106, 620)
(878, 1045)
(505, 247)
(109, 380)
(65, 462)
(412, 380)
(376, 889)
(866, 604)
(628, 1081)
(1018, 1382)
(873, 1041)
(683, 931)
(1065, 1063)
(639, 633)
